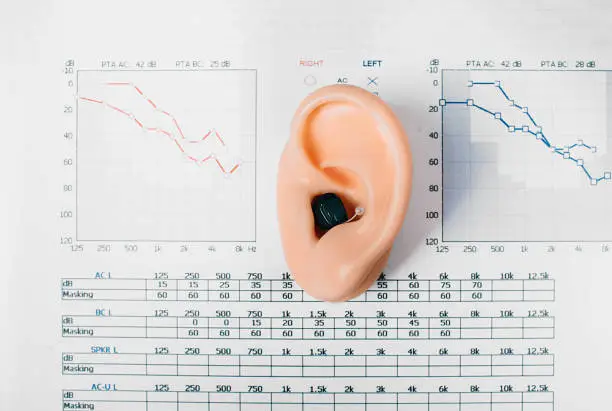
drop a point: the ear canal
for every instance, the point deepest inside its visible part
(347, 152)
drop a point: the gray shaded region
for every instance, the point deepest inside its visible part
(480, 204)
(456, 178)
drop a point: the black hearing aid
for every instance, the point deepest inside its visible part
(329, 211)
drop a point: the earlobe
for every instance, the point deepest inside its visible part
(345, 142)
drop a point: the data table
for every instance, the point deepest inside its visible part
(238, 329)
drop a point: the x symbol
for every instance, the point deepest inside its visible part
(372, 81)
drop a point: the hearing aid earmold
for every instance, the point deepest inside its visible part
(347, 153)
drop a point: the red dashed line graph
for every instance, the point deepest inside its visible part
(177, 136)
(166, 155)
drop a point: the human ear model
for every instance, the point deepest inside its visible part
(343, 189)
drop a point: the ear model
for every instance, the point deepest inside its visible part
(343, 188)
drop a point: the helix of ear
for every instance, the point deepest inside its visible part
(343, 188)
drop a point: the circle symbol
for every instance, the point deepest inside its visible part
(310, 80)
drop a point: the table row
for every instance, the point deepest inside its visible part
(309, 365)
(309, 328)
(287, 290)
(205, 401)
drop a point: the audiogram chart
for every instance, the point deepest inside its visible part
(526, 155)
(166, 155)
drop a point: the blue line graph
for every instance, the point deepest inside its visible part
(567, 152)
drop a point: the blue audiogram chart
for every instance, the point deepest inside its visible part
(566, 152)
(526, 155)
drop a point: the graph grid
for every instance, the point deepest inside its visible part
(166, 155)
(525, 155)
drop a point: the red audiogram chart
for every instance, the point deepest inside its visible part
(178, 137)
